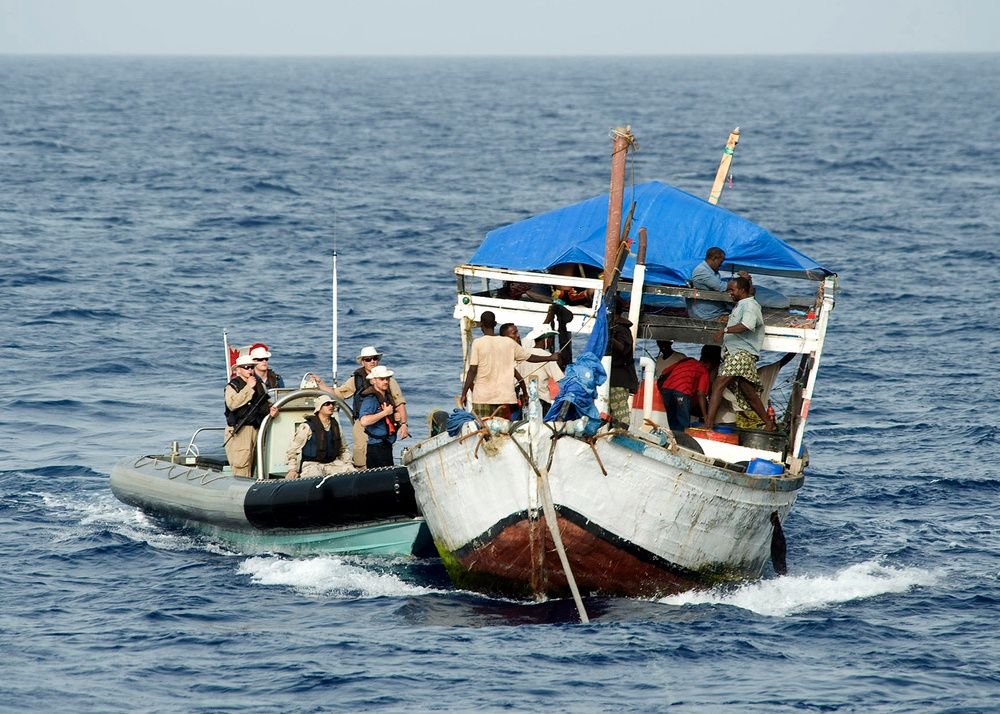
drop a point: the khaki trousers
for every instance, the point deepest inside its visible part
(360, 452)
(240, 449)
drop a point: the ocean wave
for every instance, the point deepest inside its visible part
(327, 576)
(80, 314)
(790, 595)
(257, 186)
(91, 518)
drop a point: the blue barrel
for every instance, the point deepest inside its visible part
(763, 467)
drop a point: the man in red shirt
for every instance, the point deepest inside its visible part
(681, 384)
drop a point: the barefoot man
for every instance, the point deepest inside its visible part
(742, 338)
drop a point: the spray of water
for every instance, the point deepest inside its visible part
(795, 594)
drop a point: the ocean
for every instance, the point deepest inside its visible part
(151, 203)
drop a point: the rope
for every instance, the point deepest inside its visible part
(548, 507)
(593, 447)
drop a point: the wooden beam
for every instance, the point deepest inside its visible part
(727, 160)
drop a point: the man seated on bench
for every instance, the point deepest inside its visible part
(319, 444)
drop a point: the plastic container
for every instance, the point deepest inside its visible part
(763, 467)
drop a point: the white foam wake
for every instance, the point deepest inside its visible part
(103, 512)
(328, 576)
(794, 594)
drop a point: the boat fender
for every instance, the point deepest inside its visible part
(778, 546)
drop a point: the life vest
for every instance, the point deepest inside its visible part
(322, 446)
(273, 379)
(360, 380)
(263, 405)
(389, 421)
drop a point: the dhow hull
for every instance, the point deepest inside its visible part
(635, 518)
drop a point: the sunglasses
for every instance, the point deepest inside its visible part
(244, 366)
(370, 359)
(261, 360)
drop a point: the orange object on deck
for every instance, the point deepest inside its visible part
(638, 400)
(713, 435)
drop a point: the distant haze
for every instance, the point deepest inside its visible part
(496, 27)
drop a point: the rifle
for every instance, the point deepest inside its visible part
(246, 417)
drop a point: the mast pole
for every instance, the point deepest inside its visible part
(727, 160)
(334, 299)
(623, 140)
(225, 345)
(334, 317)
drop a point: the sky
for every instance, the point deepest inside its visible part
(496, 27)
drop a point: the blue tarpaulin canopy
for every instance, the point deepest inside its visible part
(680, 227)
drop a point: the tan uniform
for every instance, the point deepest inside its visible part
(240, 448)
(293, 456)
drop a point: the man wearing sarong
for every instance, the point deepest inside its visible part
(742, 338)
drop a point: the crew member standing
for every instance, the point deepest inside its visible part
(350, 391)
(623, 381)
(377, 418)
(539, 342)
(490, 378)
(743, 337)
(246, 406)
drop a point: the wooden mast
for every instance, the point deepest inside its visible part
(623, 140)
(727, 159)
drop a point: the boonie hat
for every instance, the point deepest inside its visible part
(260, 353)
(244, 361)
(540, 332)
(380, 372)
(369, 352)
(320, 401)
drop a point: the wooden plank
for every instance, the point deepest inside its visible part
(727, 160)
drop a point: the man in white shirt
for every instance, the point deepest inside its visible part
(539, 342)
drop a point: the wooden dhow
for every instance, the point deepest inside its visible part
(540, 508)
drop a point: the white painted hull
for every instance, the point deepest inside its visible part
(655, 522)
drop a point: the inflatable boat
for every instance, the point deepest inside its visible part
(369, 511)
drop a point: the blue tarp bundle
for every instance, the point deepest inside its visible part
(681, 227)
(578, 389)
(456, 419)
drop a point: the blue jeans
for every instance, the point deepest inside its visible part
(678, 406)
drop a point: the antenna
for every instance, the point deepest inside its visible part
(334, 298)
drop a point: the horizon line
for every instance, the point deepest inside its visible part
(644, 55)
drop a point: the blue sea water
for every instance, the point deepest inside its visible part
(150, 203)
